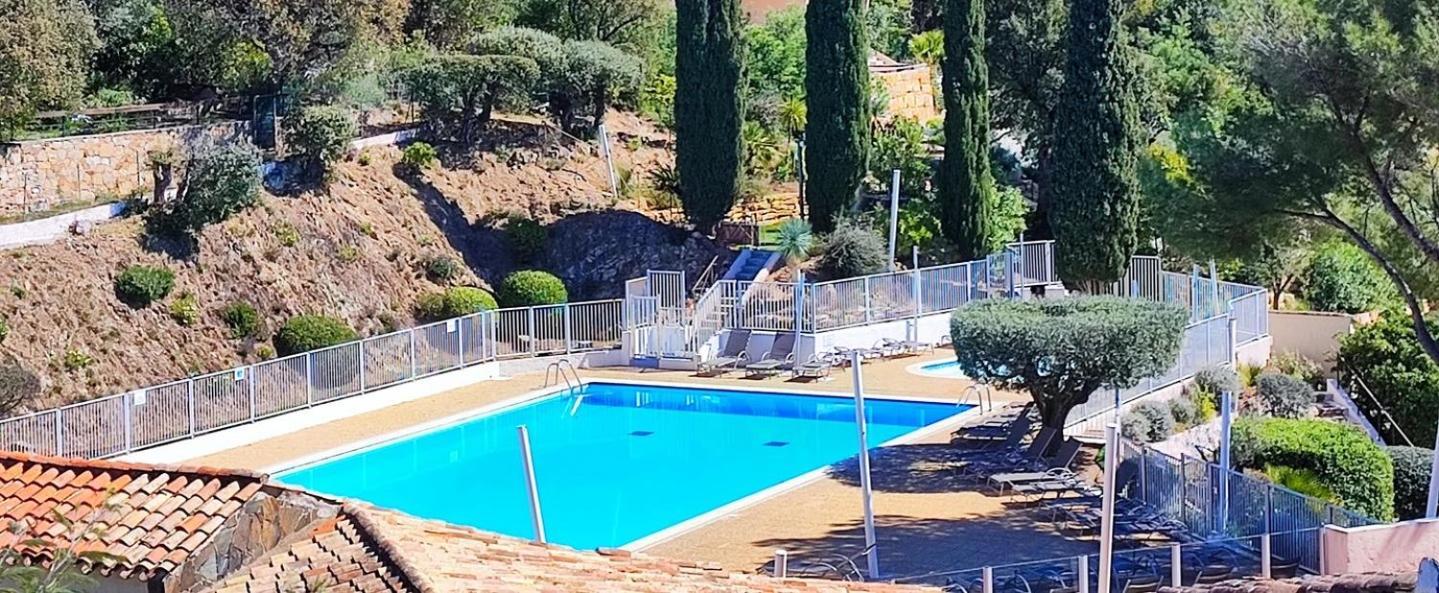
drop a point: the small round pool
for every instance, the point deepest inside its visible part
(948, 369)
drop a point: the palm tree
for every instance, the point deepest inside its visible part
(928, 47)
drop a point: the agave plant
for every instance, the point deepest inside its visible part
(794, 239)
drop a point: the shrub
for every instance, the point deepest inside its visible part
(1297, 366)
(185, 309)
(794, 239)
(527, 288)
(76, 359)
(454, 302)
(1303, 481)
(1387, 357)
(17, 386)
(220, 181)
(140, 285)
(1283, 396)
(1135, 427)
(1342, 278)
(319, 135)
(526, 236)
(441, 268)
(1206, 405)
(1184, 411)
(419, 156)
(1217, 380)
(303, 333)
(4, 328)
(242, 319)
(1411, 480)
(1358, 471)
(853, 250)
(1156, 414)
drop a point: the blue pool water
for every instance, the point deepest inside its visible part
(946, 368)
(614, 462)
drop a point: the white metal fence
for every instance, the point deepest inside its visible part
(146, 417)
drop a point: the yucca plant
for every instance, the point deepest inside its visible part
(794, 239)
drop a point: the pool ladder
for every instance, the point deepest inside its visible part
(983, 397)
(557, 370)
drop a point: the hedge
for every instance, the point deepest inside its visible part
(303, 333)
(1386, 355)
(1411, 480)
(1358, 471)
(454, 302)
(1284, 396)
(139, 285)
(528, 288)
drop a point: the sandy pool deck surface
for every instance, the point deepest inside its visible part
(927, 520)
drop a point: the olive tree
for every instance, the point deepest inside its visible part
(595, 73)
(458, 92)
(1062, 350)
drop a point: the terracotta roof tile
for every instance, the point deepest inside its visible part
(151, 517)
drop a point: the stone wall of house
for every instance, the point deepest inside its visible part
(40, 175)
(911, 93)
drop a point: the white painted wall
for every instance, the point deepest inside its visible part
(46, 230)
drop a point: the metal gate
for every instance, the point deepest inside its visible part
(666, 328)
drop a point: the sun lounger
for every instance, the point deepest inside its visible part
(986, 465)
(817, 367)
(1058, 468)
(907, 346)
(730, 357)
(779, 357)
(1012, 440)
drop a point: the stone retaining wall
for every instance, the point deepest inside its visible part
(39, 175)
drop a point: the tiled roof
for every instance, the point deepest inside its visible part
(391, 551)
(151, 518)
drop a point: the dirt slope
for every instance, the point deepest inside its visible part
(354, 252)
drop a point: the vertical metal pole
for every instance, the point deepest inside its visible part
(893, 216)
(1144, 474)
(866, 300)
(914, 256)
(309, 380)
(129, 403)
(460, 337)
(803, 173)
(781, 563)
(190, 402)
(360, 360)
(59, 433)
(1269, 508)
(1106, 518)
(865, 488)
(494, 325)
(1176, 565)
(1226, 419)
(414, 364)
(1266, 559)
(988, 578)
(798, 305)
(1431, 506)
(534, 343)
(1081, 574)
(254, 403)
(568, 333)
(604, 138)
(1233, 329)
(527, 458)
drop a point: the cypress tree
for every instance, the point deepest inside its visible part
(966, 184)
(708, 107)
(836, 85)
(1095, 201)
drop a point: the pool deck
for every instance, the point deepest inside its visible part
(927, 521)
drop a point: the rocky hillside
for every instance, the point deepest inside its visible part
(355, 251)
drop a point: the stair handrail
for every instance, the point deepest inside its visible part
(706, 278)
(1382, 410)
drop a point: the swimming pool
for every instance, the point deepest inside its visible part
(948, 369)
(614, 462)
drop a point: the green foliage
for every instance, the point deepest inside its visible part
(1154, 422)
(1218, 379)
(319, 136)
(927, 47)
(1207, 404)
(17, 387)
(1297, 366)
(852, 249)
(900, 145)
(526, 236)
(419, 156)
(76, 359)
(4, 328)
(918, 227)
(1006, 218)
(1303, 481)
(219, 181)
(242, 319)
(1135, 427)
(185, 309)
(527, 288)
(837, 92)
(1343, 278)
(1358, 471)
(303, 333)
(458, 92)
(1184, 411)
(1283, 396)
(1386, 356)
(595, 74)
(45, 48)
(1095, 198)
(794, 239)
(709, 109)
(140, 285)
(775, 54)
(456, 301)
(441, 268)
(450, 24)
(966, 183)
(610, 21)
(1411, 480)
(1063, 350)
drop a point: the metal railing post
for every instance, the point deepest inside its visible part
(360, 361)
(1081, 574)
(460, 337)
(867, 313)
(1176, 565)
(494, 330)
(59, 433)
(988, 577)
(190, 402)
(309, 379)
(781, 563)
(1265, 559)
(254, 402)
(128, 402)
(534, 343)
(414, 364)
(569, 332)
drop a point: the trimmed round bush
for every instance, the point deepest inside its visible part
(1358, 471)
(319, 135)
(528, 288)
(1184, 411)
(1411, 480)
(853, 250)
(1283, 396)
(303, 333)
(454, 302)
(526, 236)
(1135, 427)
(1161, 423)
(242, 319)
(140, 285)
(1343, 278)
(1217, 380)
(17, 386)
(419, 156)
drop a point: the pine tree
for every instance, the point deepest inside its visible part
(1095, 201)
(966, 184)
(837, 90)
(708, 107)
